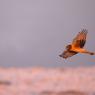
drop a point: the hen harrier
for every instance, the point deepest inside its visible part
(77, 45)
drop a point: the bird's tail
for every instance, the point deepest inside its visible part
(88, 52)
(92, 53)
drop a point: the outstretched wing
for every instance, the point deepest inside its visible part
(80, 39)
(67, 54)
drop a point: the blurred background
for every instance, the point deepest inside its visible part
(35, 32)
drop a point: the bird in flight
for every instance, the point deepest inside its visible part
(77, 45)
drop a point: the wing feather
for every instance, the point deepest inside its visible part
(67, 54)
(80, 39)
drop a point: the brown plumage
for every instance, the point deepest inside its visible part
(77, 45)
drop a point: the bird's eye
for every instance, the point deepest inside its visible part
(68, 47)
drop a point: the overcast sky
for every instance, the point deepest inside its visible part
(35, 32)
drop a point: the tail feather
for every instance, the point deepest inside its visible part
(92, 53)
(88, 52)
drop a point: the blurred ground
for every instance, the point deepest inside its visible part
(47, 81)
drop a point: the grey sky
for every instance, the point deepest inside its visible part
(35, 32)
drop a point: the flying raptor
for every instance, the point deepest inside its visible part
(77, 45)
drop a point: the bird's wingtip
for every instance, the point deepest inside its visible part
(60, 55)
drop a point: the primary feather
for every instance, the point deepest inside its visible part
(80, 39)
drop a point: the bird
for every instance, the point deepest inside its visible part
(77, 45)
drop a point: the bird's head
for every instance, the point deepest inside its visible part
(68, 47)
